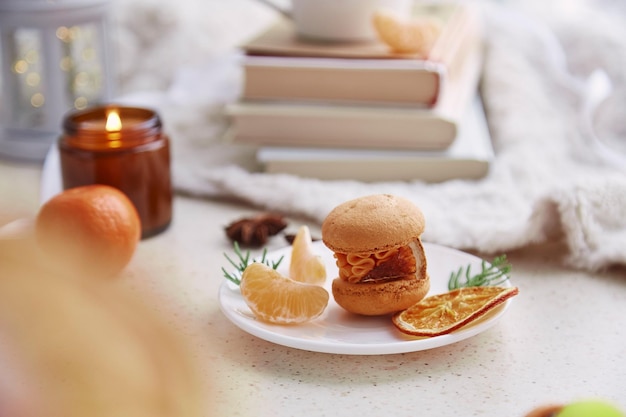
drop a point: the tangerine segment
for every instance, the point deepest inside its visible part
(406, 35)
(275, 298)
(305, 265)
(443, 313)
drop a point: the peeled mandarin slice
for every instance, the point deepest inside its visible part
(275, 298)
(404, 35)
(305, 265)
(443, 313)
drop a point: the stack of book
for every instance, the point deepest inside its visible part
(359, 111)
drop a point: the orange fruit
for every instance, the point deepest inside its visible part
(402, 35)
(305, 265)
(275, 298)
(80, 348)
(443, 313)
(545, 411)
(89, 230)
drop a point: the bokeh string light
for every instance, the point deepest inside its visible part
(55, 58)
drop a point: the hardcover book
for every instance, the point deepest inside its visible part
(279, 65)
(468, 158)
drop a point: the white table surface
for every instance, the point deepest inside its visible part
(563, 339)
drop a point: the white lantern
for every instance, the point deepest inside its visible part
(55, 57)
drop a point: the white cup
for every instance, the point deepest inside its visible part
(340, 20)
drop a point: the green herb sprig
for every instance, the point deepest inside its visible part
(495, 273)
(243, 260)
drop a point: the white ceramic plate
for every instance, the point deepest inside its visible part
(337, 331)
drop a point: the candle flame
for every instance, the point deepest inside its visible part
(114, 123)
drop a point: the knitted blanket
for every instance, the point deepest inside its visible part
(554, 92)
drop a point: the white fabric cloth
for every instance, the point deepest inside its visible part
(553, 178)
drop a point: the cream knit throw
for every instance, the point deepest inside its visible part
(552, 178)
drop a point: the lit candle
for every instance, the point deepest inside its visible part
(123, 147)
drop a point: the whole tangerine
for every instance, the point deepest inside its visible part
(89, 230)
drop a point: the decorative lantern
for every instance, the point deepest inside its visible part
(55, 57)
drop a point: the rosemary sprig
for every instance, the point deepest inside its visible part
(243, 260)
(491, 274)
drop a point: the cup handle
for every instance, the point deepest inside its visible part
(279, 9)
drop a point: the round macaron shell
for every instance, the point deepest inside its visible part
(371, 224)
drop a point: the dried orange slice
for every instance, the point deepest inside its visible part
(443, 313)
(275, 298)
(402, 35)
(305, 265)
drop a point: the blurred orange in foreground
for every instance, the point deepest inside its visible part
(92, 229)
(88, 348)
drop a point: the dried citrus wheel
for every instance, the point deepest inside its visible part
(443, 313)
(305, 265)
(275, 298)
(404, 35)
(89, 230)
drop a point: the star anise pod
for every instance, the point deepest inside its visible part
(254, 231)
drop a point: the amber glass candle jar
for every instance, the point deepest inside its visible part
(123, 147)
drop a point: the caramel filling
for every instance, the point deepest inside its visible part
(379, 266)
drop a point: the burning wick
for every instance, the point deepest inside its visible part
(114, 123)
(113, 128)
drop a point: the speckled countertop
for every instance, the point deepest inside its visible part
(562, 339)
